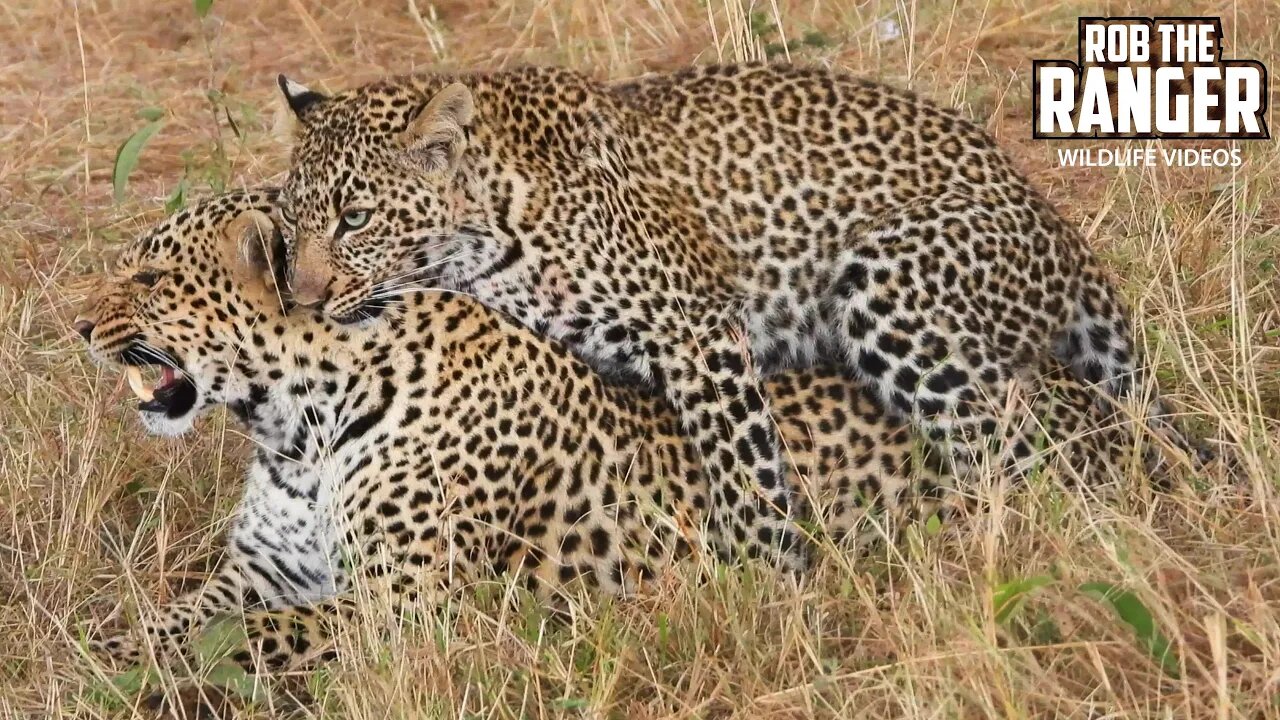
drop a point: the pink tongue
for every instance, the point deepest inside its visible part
(167, 377)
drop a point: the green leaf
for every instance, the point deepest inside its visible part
(121, 687)
(235, 127)
(178, 198)
(127, 156)
(933, 525)
(231, 676)
(222, 637)
(214, 646)
(1008, 597)
(151, 114)
(203, 7)
(134, 681)
(1135, 614)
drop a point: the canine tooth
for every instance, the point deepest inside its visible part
(138, 386)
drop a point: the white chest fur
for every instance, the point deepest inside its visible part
(284, 536)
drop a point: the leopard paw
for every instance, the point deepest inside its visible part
(128, 649)
(121, 650)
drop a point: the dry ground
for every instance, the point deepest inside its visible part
(96, 520)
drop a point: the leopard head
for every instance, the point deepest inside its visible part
(183, 303)
(375, 190)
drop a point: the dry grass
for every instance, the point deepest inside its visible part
(96, 521)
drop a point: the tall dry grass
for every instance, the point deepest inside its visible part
(97, 521)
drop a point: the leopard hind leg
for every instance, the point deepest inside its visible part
(938, 309)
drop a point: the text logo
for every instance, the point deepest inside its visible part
(1149, 78)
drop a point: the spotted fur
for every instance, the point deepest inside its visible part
(700, 228)
(448, 444)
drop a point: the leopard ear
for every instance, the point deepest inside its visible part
(435, 138)
(299, 97)
(252, 236)
(297, 100)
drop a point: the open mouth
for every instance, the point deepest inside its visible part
(172, 393)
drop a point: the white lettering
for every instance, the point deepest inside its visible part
(1133, 104)
(1166, 42)
(1202, 99)
(1057, 99)
(1243, 108)
(1095, 43)
(1095, 105)
(1069, 156)
(1171, 112)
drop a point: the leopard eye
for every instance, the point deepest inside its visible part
(147, 278)
(352, 220)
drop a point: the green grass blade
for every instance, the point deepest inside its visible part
(127, 156)
(1008, 597)
(1135, 614)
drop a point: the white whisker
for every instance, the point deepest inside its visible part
(423, 289)
(384, 288)
(416, 271)
(154, 353)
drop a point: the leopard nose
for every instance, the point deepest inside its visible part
(308, 289)
(312, 300)
(84, 327)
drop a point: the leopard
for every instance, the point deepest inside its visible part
(704, 229)
(448, 445)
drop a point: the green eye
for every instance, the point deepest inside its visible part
(353, 220)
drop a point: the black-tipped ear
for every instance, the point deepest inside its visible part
(299, 97)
